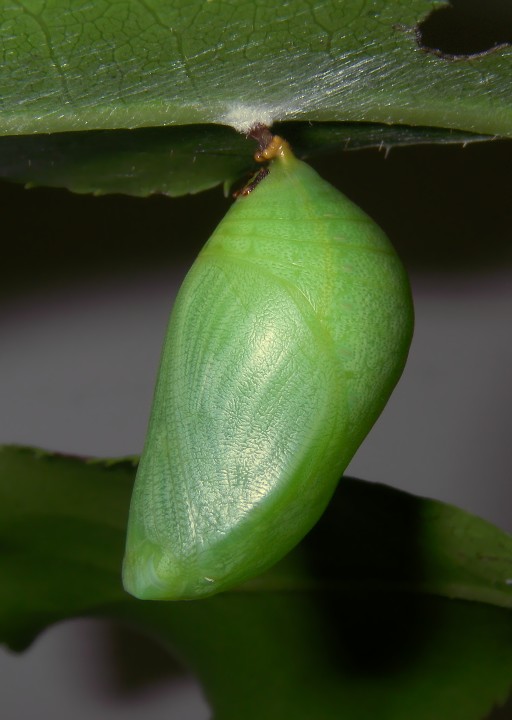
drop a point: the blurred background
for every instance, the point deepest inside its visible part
(87, 287)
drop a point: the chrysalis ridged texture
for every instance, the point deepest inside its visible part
(286, 339)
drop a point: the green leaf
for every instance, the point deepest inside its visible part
(354, 623)
(180, 160)
(108, 65)
(359, 657)
(62, 526)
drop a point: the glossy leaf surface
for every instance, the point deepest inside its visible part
(75, 66)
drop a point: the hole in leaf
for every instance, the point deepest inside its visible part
(467, 28)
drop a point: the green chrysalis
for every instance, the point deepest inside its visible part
(286, 339)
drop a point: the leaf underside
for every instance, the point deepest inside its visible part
(109, 65)
(105, 66)
(179, 160)
(393, 606)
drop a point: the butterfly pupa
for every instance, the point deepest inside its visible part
(286, 339)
